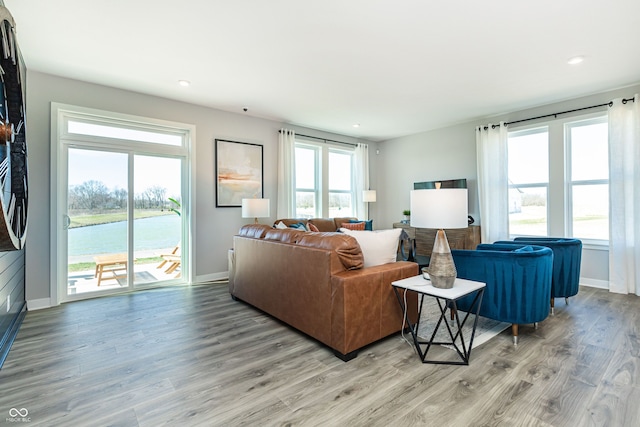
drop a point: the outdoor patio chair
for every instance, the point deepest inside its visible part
(173, 260)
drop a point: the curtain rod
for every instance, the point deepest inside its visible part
(554, 115)
(324, 139)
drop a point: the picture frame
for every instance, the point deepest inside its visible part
(239, 172)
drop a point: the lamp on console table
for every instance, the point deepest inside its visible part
(255, 208)
(440, 208)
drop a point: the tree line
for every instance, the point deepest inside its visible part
(95, 195)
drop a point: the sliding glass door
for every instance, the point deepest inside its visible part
(122, 205)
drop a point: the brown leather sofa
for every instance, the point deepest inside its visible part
(315, 282)
(323, 224)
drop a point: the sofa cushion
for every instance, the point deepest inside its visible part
(323, 224)
(368, 224)
(378, 247)
(285, 235)
(289, 221)
(312, 227)
(353, 225)
(256, 231)
(338, 222)
(345, 247)
(299, 226)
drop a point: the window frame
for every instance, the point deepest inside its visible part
(587, 120)
(530, 130)
(321, 161)
(559, 194)
(61, 139)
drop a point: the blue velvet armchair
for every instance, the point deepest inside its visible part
(518, 279)
(567, 255)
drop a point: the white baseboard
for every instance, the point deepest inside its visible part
(38, 304)
(594, 283)
(212, 277)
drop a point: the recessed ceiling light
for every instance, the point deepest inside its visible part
(356, 125)
(184, 83)
(575, 60)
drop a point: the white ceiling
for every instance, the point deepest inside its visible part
(397, 67)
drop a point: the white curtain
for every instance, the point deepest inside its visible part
(286, 206)
(361, 173)
(493, 191)
(624, 196)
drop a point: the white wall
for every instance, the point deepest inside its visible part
(447, 153)
(215, 226)
(450, 153)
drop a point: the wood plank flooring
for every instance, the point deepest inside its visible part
(191, 356)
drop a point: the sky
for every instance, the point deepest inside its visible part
(111, 169)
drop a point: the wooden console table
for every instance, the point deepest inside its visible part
(459, 238)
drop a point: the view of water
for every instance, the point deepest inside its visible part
(149, 233)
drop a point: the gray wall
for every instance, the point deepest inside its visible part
(215, 227)
(451, 153)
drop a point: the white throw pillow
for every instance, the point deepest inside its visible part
(281, 225)
(378, 247)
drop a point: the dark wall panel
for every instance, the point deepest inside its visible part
(12, 298)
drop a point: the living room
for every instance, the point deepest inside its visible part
(441, 152)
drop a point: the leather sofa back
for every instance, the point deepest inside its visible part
(323, 224)
(346, 248)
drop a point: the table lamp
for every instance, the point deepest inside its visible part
(368, 196)
(440, 208)
(255, 208)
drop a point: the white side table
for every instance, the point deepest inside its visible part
(446, 298)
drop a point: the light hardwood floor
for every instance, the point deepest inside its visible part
(191, 356)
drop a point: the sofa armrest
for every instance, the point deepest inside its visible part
(364, 307)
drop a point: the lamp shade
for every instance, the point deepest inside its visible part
(255, 208)
(369, 196)
(439, 208)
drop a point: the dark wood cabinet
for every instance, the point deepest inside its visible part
(458, 238)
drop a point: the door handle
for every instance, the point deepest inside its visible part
(66, 222)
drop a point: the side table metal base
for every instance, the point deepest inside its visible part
(458, 342)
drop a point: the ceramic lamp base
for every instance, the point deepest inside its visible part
(442, 270)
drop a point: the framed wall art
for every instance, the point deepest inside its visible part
(239, 172)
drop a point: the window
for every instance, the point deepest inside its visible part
(307, 185)
(559, 179)
(340, 185)
(588, 162)
(324, 181)
(528, 181)
(119, 131)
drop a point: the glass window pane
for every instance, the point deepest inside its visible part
(339, 171)
(106, 131)
(157, 224)
(528, 211)
(591, 211)
(340, 205)
(97, 208)
(305, 204)
(305, 168)
(528, 157)
(589, 152)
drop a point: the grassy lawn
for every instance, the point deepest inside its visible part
(83, 266)
(85, 220)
